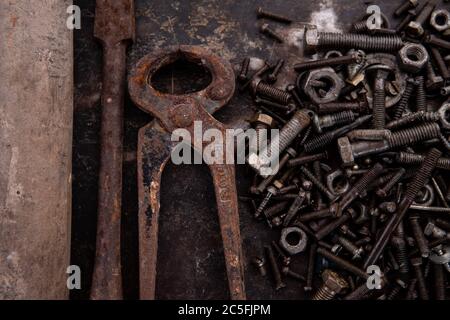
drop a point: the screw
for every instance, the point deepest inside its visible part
(439, 281)
(256, 75)
(331, 107)
(379, 95)
(387, 43)
(409, 4)
(421, 284)
(416, 159)
(285, 259)
(292, 90)
(422, 116)
(270, 192)
(295, 207)
(403, 104)
(355, 57)
(421, 101)
(332, 285)
(359, 188)
(419, 236)
(288, 272)
(399, 243)
(438, 42)
(279, 284)
(260, 13)
(276, 209)
(384, 191)
(307, 159)
(244, 69)
(272, 77)
(350, 247)
(319, 185)
(334, 119)
(260, 264)
(287, 109)
(415, 27)
(342, 263)
(278, 95)
(265, 29)
(334, 224)
(419, 181)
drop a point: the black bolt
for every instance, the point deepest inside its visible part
(416, 159)
(270, 192)
(287, 109)
(384, 191)
(272, 77)
(260, 13)
(342, 263)
(279, 284)
(307, 159)
(421, 99)
(439, 281)
(403, 104)
(311, 267)
(440, 63)
(355, 57)
(334, 224)
(265, 29)
(319, 185)
(292, 90)
(416, 27)
(295, 207)
(244, 69)
(276, 209)
(260, 264)
(437, 42)
(332, 107)
(421, 284)
(284, 258)
(379, 95)
(410, 118)
(271, 92)
(331, 120)
(265, 67)
(421, 241)
(409, 4)
(350, 247)
(406, 20)
(433, 80)
(288, 272)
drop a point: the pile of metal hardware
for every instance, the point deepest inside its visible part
(362, 181)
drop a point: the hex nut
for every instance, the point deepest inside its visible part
(334, 85)
(334, 281)
(337, 182)
(412, 57)
(440, 20)
(444, 113)
(293, 249)
(264, 119)
(345, 150)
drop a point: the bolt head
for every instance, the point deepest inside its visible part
(334, 281)
(264, 119)
(415, 29)
(311, 39)
(345, 151)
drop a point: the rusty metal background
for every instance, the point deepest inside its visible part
(190, 256)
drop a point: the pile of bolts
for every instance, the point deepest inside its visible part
(362, 180)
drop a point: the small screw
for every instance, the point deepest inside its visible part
(260, 13)
(265, 29)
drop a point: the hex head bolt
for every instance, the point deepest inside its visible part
(388, 43)
(405, 6)
(273, 76)
(244, 69)
(359, 188)
(321, 141)
(421, 284)
(416, 27)
(342, 263)
(403, 104)
(399, 244)
(332, 285)
(418, 182)
(355, 57)
(332, 107)
(419, 237)
(299, 121)
(279, 284)
(379, 95)
(332, 120)
(421, 98)
(261, 13)
(270, 92)
(440, 63)
(265, 29)
(384, 191)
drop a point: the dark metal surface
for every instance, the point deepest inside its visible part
(115, 28)
(190, 257)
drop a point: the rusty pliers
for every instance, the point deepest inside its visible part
(155, 147)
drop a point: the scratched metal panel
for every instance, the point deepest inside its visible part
(190, 259)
